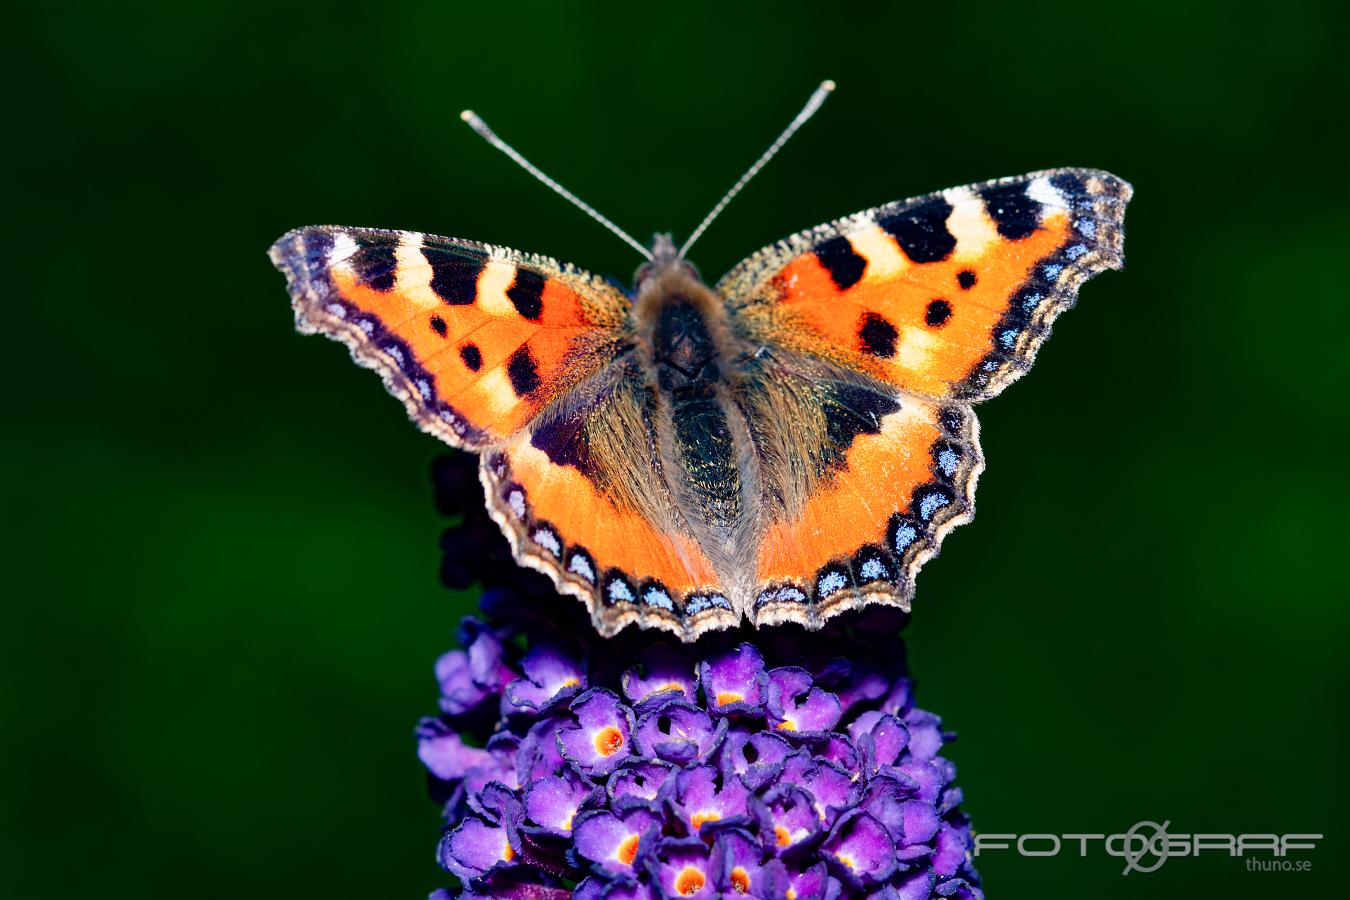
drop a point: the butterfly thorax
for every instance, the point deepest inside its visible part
(686, 351)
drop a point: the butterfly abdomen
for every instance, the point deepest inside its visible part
(688, 354)
(684, 357)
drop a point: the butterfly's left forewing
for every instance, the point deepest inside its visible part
(476, 340)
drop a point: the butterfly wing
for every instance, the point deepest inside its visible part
(582, 497)
(522, 358)
(875, 334)
(948, 295)
(475, 340)
(858, 492)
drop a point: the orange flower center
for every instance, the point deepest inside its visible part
(791, 894)
(846, 860)
(507, 853)
(740, 880)
(697, 819)
(571, 682)
(789, 725)
(628, 850)
(783, 835)
(689, 882)
(608, 741)
(725, 697)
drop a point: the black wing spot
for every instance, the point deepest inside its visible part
(878, 335)
(376, 265)
(454, 274)
(472, 356)
(563, 439)
(438, 325)
(526, 293)
(937, 314)
(922, 231)
(1016, 214)
(523, 372)
(850, 410)
(966, 279)
(843, 263)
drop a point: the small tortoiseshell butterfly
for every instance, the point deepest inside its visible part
(789, 443)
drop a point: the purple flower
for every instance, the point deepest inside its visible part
(734, 681)
(795, 705)
(682, 867)
(640, 781)
(766, 765)
(832, 789)
(787, 819)
(611, 842)
(703, 799)
(600, 889)
(680, 733)
(742, 868)
(810, 883)
(476, 849)
(756, 757)
(603, 735)
(860, 850)
(551, 677)
(552, 803)
(444, 753)
(468, 677)
(664, 672)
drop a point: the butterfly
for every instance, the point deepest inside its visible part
(786, 444)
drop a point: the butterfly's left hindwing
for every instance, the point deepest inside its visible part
(476, 340)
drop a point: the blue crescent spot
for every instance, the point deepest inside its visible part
(931, 504)
(548, 540)
(905, 535)
(579, 565)
(658, 598)
(873, 570)
(947, 461)
(829, 583)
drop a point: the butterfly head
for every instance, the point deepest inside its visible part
(665, 259)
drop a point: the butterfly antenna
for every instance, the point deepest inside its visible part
(490, 136)
(809, 110)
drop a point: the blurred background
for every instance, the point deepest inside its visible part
(224, 603)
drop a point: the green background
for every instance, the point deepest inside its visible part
(223, 602)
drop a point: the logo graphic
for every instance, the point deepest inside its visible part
(1148, 845)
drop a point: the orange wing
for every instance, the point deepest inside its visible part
(948, 295)
(876, 480)
(474, 339)
(931, 304)
(581, 498)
